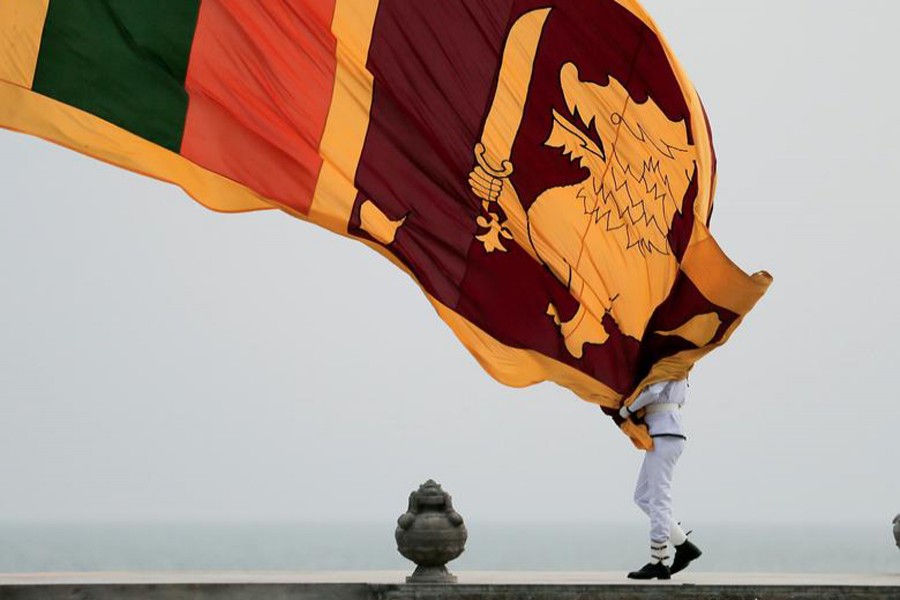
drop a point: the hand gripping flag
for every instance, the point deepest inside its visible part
(543, 169)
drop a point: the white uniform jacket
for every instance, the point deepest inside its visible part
(663, 402)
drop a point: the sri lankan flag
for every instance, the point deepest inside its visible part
(543, 169)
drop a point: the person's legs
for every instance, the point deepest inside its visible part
(661, 466)
(653, 494)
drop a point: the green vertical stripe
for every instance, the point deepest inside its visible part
(122, 60)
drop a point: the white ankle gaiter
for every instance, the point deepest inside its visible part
(677, 537)
(659, 553)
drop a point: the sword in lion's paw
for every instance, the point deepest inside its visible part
(502, 214)
(487, 183)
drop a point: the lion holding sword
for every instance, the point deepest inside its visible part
(604, 237)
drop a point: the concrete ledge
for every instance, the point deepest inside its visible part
(472, 586)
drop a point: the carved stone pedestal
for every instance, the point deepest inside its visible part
(431, 534)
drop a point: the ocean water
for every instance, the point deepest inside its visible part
(491, 546)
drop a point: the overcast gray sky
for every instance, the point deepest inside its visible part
(161, 361)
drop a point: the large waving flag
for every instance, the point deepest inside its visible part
(543, 169)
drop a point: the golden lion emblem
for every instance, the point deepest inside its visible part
(605, 237)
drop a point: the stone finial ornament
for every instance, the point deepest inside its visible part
(431, 534)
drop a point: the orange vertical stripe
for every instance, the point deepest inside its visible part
(260, 81)
(348, 118)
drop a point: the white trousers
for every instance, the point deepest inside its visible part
(653, 492)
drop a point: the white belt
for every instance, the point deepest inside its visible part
(662, 407)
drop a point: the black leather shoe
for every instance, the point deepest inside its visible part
(651, 571)
(685, 554)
